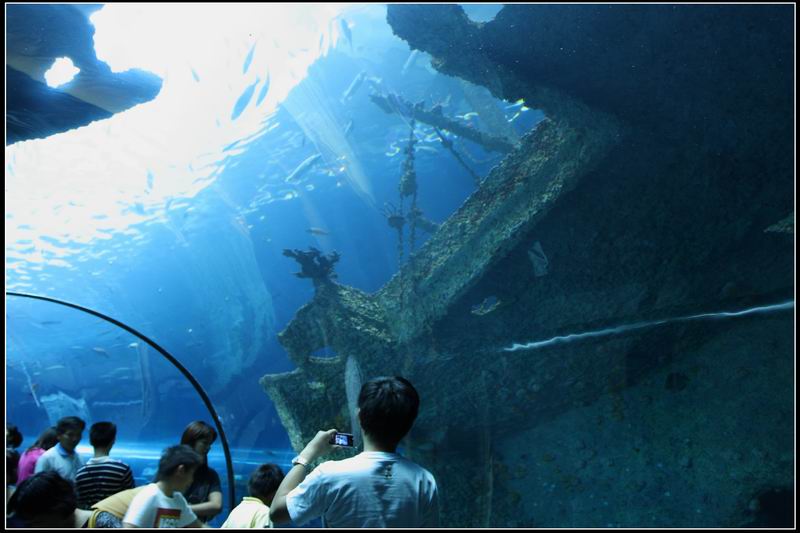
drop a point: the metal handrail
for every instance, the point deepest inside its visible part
(169, 357)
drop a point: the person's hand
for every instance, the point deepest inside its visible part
(319, 445)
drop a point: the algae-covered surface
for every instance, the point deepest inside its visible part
(616, 229)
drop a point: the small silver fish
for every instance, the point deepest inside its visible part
(354, 85)
(347, 33)
(395, 150)
(317, 231)
(488, 305)
(515, 105)
(426, 149)
(412, 58)
(304, 167)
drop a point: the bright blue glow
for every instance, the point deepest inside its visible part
(63, 71)
(85, 185)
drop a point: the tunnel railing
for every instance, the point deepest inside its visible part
(169, 357)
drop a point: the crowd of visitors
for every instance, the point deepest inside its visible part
(50, 485)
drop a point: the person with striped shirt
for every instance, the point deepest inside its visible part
(102, 476)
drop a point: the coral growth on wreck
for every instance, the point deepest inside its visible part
(314, 264)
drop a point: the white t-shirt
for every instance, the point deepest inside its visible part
(372, 489)
(153, 508)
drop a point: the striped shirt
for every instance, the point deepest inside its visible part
(100, 478)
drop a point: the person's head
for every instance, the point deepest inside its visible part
(13, 436)
(177, 465)
(70, 430)
(200, 436)
(387, 408)
(102, 435)
(264, 482)
(46, 440)
(44, 500)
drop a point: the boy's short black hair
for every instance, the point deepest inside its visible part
(175, 456)
(13, 436)
(45, 493)
(265, 480)
(388, 407)
(70, 423)
(102, 434)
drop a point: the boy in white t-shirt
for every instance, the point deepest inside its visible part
(376, 488)
(161, 504)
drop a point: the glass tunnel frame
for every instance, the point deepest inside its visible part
(169, 357)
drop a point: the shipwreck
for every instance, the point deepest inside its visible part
(646, 195)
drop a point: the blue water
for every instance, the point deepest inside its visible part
(173, 216)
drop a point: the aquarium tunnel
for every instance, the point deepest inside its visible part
(569, 226)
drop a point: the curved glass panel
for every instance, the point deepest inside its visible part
(570, 226)
(114, 380)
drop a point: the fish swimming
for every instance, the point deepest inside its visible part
(317, 231)
(426, 149)
(347, 33)
(248, 60)
(515, 117)
(394, 152)
(304, 167)
(243, 100)
(522, 109)
(410, 61)
(354, 86)
(488, 305)
(263, 92)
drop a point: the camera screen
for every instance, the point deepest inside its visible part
(342, 439)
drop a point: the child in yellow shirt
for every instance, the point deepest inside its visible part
(254, 509)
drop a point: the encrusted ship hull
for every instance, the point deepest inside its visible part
(613, 211)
